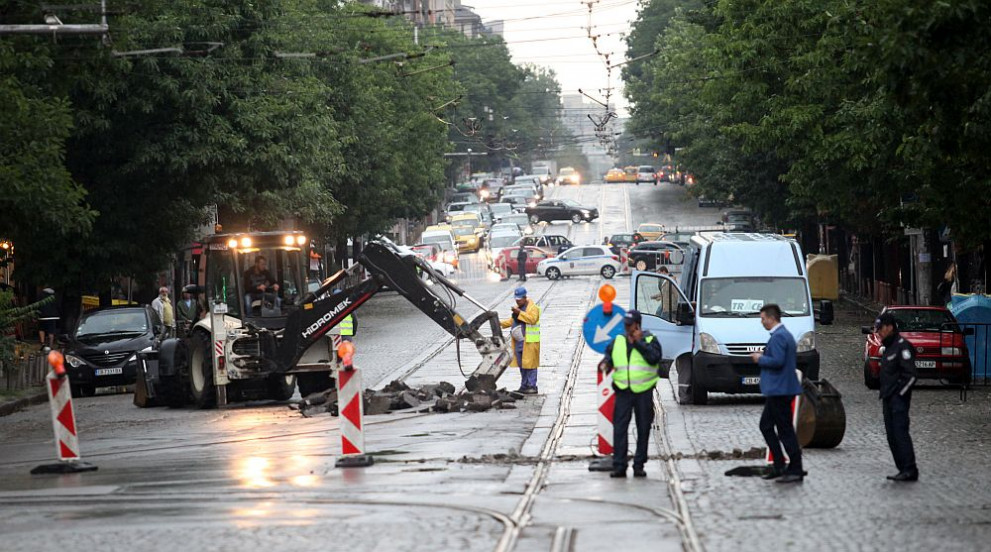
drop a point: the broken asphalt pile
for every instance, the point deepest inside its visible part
(397, 396)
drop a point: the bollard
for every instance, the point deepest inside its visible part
(606, 405)
(63, 421)
(351, 410)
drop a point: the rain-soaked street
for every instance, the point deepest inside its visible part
(261, 476)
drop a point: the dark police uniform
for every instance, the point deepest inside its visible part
(897, 379)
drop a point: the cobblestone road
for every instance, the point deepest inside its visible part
(845, 503)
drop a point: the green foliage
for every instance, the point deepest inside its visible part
(10, 316)
(843, 110)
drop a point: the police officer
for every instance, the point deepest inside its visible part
(897, 379)
(634, 359)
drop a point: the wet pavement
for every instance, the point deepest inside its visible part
(260, 476)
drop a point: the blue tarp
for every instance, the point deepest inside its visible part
(975, 311)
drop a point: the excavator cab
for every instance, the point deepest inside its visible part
(261, 276)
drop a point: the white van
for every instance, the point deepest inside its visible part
(710, 329)
(442, 237)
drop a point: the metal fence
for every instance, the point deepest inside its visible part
(23, 373)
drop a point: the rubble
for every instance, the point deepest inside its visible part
(431, 397)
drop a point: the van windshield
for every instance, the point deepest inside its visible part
(443, 240)
(744, 297)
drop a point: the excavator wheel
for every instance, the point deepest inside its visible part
(201, 372)
(314, 382)
(281, 387)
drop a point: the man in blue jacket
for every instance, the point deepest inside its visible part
(779, 383)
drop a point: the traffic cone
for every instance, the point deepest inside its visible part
(63, 421)
(352, 413)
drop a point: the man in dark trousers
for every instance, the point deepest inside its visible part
(521, 261)
(634, 359)
(897, 379)
(779, 383)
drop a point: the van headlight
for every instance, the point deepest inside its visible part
(806, 343)
(708, 344)
(74, 361)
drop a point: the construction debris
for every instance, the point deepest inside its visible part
(398, 396)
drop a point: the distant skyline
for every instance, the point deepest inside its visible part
(553, 34)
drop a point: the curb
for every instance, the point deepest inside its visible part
(10, 407)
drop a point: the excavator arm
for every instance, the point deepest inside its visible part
(421, 285)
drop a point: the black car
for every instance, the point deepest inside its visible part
(561, 209)
(652, 254)
(103, 349)
(618, 242)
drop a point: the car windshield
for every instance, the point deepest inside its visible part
(464, 230)
(570, 203)
(113, 322)
(646, 169)
(651, 228)
(744, 297)
(505, 240)
(469, 222)
(473, 208)
(519, 220)
(500, 208)
(922, 320)
(457, 207)
(443, 241)
(566, 171)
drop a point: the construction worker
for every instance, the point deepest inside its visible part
(346, 327)
(634, 359)
(525, 334)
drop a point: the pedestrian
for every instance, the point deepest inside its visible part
(48, 317)
(163, 306)
(634, 360)
(948, 287)
(187, 311)
(524, 327)
(521, 262)
(897, 379)
(779, 383)
(665, 295)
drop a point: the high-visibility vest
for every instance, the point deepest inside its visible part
(633, 373)
(533, 330)
(347, 326)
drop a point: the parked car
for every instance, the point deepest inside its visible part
(464, 197)
(618, 242)
(551, 244)
(505, 239)
(738, 220)
(581, 261)
(561, 209)
(498, 210)
(428, 252)
(568, 175)
(103, 349)
(615, 175)
(651, 231)
(507, 260)
(652, 254)
(941, 352)
(442, 236)
(466, 239)
(646, 173)
(521, 221)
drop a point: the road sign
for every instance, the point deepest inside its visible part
(601, 329)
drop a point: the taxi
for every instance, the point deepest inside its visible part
(651, 231)
(616, 175)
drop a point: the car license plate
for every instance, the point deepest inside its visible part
(751, 380)
(925, 364)
(108, 371)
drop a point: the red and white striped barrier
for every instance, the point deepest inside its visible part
(624, 259)
(604, 423)
(352, 412)
(63, 421)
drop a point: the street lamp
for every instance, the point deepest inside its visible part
(469, 164)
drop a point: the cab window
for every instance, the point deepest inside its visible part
(657, 296)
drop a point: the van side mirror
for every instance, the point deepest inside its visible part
(826, 313)
(685, 315)
(867, 330)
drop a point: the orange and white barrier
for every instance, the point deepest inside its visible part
(352, 412)
(604, 423)
(63, 421)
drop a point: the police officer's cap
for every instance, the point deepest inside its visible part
(887, 319)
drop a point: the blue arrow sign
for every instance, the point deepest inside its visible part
(601, 329)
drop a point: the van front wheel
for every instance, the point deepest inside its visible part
(699, 393)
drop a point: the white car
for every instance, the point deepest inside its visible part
(582, 260)
(646, 173)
